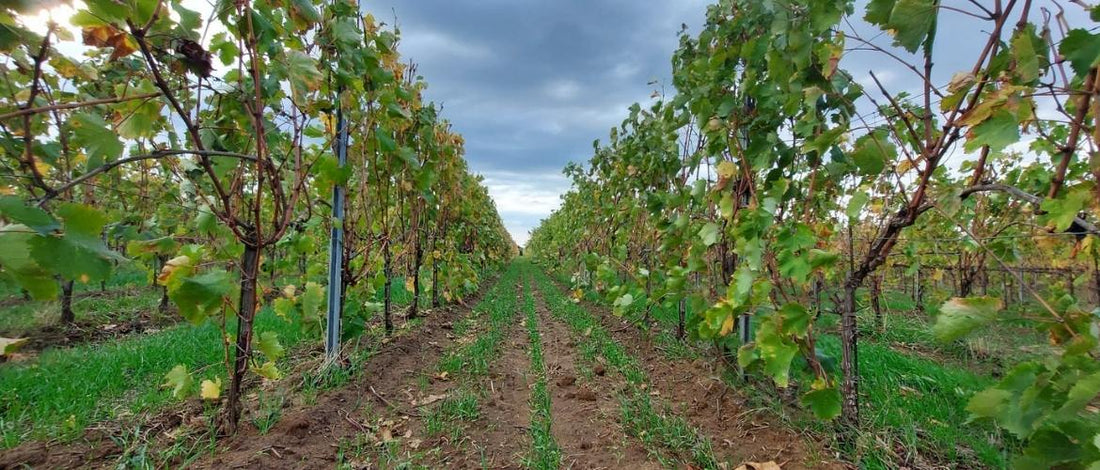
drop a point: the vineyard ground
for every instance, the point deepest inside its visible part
(524, 377)
(914, 387)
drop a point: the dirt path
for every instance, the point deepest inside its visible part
(585, 412)
(310, 437)
(498, 438)
(696, 392)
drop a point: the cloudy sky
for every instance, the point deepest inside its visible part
(530, 84)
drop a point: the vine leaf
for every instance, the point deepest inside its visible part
(13, 209)
(1061, 212)
(908, 21)
(100, 143)
(211, 389)
(270, 346)
(180, 381)
(825, 402)
(1083, 392)
(777, 352)
(709, 233)
(268, 371)
(200, 296)
(302, 71)
(872, 151)
(1082, 49)
(998, 132)
(15, 257)
(959, 316)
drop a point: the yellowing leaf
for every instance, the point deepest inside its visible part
(759, 466)
(959, 316)
(10, 345)
(727, 326)
(268, 371)
(167, 273)
(211, 389)
(289, 291)
(727, 169)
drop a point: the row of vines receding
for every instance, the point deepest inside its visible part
(202, 148)
(783, 180)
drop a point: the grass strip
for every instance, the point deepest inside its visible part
(545, 453)
(667, 436)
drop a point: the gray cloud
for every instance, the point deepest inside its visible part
(531, 84)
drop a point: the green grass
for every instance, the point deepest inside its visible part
(914, 388)
(465, 364)
(444, 419)
(65, 390)
(128, 296)
(270, 410)
(919, 404)
(545, 453)
(667, 436)
(496, 311)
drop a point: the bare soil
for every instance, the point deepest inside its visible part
(380, 417)
(696, 391)
(586, 413)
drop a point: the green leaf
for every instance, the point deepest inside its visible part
(82, 221)
(70, 258)
(959, 316)
(90, 132)
(1048, 448)
(1084, 391)
(284, 307)
(796, 319)
(878, 11)
(872, 151)
(1062, 211)
(998, 132)
(1023, 51)
(16, 211)
(180, 381)
(385, 141)
(621, 303)
(988, 403)
(200, 296)
(856, 203)
(225, 48)
(777, 352)
(16, 260)
(1082, 49)
(909, 21)
(825, 403)
(709, 233)
(821, 258)
(312, 304)
(269, 345)
(302, 71)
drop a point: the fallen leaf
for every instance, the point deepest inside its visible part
(428, 400)
(759, 466)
